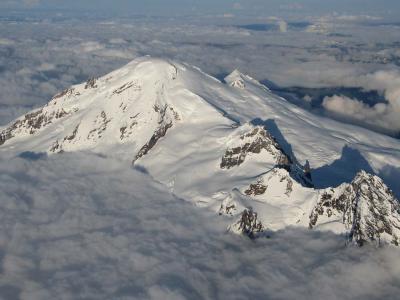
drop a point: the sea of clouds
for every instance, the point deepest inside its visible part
(80, 226)
(39, 57)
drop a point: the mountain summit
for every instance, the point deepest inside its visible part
(233, 147)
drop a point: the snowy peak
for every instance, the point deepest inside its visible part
(366, 207)
(242, 81)
(233, 148)
(134, 106)
(248, 144)
(236, 79)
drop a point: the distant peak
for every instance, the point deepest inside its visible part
(236, 79)
(240, 80)
(236, 74)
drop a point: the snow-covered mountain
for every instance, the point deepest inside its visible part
(233, 147)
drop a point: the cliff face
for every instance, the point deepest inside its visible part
(253, 142)
(366, 207)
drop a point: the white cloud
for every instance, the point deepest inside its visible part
(89, 46)
(80, 50)
(91, 227)
(385, 116)
(283, 26)
(6, 42)
(46, 67)
(380, 115)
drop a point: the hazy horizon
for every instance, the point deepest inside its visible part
(287, 8)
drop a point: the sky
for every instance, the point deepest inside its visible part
(177, 7)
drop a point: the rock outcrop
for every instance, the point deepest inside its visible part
(254, 142)
(249, 224)
(366, 207)
(166, 117)
(31, 123)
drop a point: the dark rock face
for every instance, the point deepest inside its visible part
(264, 182)
(256, 189)
(259, 139)
(66, 92)
(129, 85)
(254, 142)
(366, 207)
(239, 83)
(73, 135)
(101, 126)
(91, 83)
(158, 134)
(249, 224)
(57, 147)
(228, 209)
(31, 123)
(5, 135)
(165, 123)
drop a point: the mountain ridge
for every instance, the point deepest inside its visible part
(232, 147)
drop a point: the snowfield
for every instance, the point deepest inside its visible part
(102, 191)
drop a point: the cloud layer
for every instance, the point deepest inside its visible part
(41, 57)
(385, 116)
(89, 227)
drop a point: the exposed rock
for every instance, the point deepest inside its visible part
(256, 189)
(237, 79)
(366, 207)
(5, 135)
(176, 115)
(165, 123)
(66, 92)
(277, 178)
(229, 206)
(249, 224)
(254, 142)
(126, 131)
(134, 85)
(101, 122)
(122, 130)
(73, 135)
(56, 147)
(31, 123)
(91, 83)
(228, 209)
(158, 134)
(239, 83)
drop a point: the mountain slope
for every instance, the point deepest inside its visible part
(229, 147)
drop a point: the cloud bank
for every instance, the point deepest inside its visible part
(384, 116)
(41, 57)
(82, 226)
